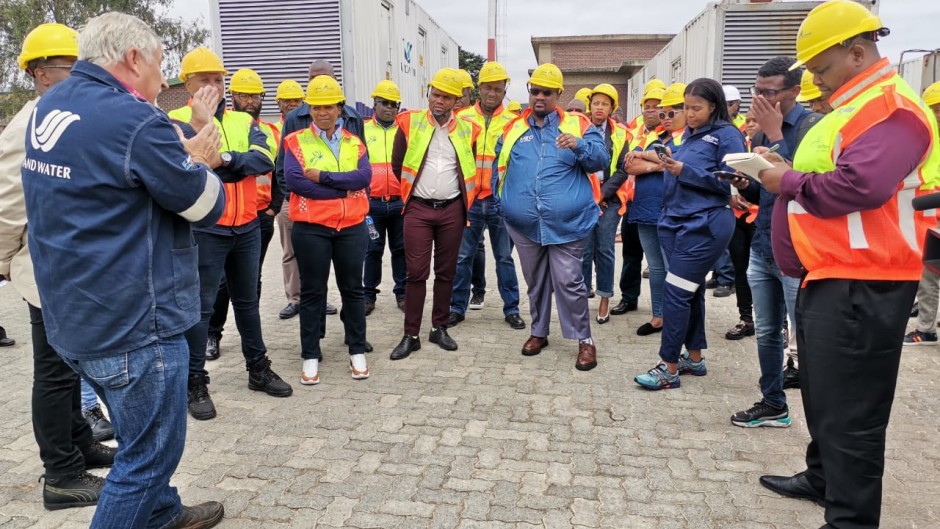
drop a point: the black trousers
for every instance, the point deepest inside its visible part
(740, 249)
(60, 429)
(849, 336)
(631, 275)
(220, 309)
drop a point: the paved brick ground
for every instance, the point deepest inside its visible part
(485, 438)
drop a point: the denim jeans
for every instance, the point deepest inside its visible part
(145, 391)
(237, 257)
(478, 281)
(724, 269)
(390, 224)
(770, 290)
(89, 397)
(600, 251)
(483, 215)
(316, 248)
(649, 239)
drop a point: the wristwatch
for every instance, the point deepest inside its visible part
(226, 159)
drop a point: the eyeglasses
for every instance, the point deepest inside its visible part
(390, 104)
(55, 66)
(541, 91)
(248, 97)
(671, 114)
(768, 93)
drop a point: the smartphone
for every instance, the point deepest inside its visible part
(661, 151)
(725, 175)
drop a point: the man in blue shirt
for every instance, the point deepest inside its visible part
(548, 196)
(111, 195)
(781, 120)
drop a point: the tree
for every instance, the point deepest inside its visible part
(18, 17)
(472, 62)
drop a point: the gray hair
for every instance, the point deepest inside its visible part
(106, 38)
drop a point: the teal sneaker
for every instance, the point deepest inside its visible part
(762, 414)
(688, 367)
(658, 378)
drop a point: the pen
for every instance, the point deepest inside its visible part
(775, 148)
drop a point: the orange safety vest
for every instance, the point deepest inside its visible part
(628, 190)
(882, 243)
(380, 141)
(263, 182)
(486, 145)
(418, 127)
(313, 153)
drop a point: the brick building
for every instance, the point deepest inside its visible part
(174, 97)
(589, 60)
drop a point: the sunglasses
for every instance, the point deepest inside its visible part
(541, 91)
(390, 104)
(671, 114)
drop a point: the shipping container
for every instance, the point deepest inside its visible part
(365, 40)
(922, 71)
(728, 41)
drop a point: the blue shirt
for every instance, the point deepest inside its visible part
(765, 199)
(696, 189)
(110, 196)
(546, 193)
(647, 205)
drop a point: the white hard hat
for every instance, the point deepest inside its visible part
(731, 93)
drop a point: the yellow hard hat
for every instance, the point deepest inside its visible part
(449, 81)
(584, 95)
(549, 76)
(674, 95)
(492, 72)
(514, 106)
(324, 90)
(829, 24)
(289, 89)
(465, 79)
(654, 83)
(653, 93)
(201, 60)
(609, 91)
(49, 40)
(387, 90)
(246, 81)
(808, 91)
(932, 94)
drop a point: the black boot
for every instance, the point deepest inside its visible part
(98, 455)
(200, 404)
(262, 378)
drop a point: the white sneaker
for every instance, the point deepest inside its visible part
(310, 375)
(358, 367)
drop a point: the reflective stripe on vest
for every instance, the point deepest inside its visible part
(627, 191)
(739, 121)
(486, 144)
(883, 243)
(570, 123)
(313, 153)
(380, 140)
(241, 198)
(264, 181)
(418, 131)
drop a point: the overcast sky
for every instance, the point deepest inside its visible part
(913, 24)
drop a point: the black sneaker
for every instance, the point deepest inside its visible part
(200, 404)
(723, 291)
(741, 330)
(202, 516)
(762, 414)
(262, 378)
(98, 455)
(442, 339)
(330, 310)
(477, 300)
(81, 490)
(213, 351)
(454, 319)
(791, 378)
(101, 429)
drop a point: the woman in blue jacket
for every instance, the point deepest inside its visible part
(695, 228)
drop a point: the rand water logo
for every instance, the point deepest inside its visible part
(45, 136)
(409, 50)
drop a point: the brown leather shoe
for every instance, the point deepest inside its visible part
(201, 516)
(534, 345)
(587, 357)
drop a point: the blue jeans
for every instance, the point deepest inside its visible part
(483, 215)
(600, 251)
(89, 398)
(390, 224)
(145, 391)
(724, 269)
(772, 293)
(235, 256)
(649, 239)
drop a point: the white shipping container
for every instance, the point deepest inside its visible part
(365, 40)
(922, 71)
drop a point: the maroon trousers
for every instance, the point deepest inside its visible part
(442, 229)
